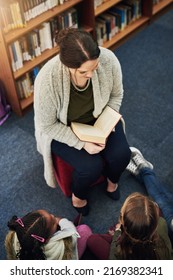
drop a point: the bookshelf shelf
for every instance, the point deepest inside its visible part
(25, 103)
(126, 32)
(161, 5)
(13, 35)
(87, 18)
(105, 6)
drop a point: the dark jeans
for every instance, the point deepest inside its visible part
(111, 162)
(159, 193)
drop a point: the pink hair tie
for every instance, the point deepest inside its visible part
(19, 221)
(39, 238)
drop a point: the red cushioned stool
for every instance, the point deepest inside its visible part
(63, 175)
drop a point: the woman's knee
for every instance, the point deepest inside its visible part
(125, 154)
(120, 155)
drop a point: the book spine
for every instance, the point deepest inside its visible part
(13, 64)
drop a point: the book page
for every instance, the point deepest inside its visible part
(101, 129)
(107, 120)
(88, 133)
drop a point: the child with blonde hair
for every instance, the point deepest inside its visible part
(40, 235)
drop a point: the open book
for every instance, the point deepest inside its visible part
(101, 129)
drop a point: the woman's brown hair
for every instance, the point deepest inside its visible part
(76, 47)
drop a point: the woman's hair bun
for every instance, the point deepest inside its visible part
(61, 34)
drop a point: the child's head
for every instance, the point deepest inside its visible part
(139, 217)
(33, 230)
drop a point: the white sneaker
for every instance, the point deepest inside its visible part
(139, 160)
(132, 168)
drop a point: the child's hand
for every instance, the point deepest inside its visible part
(112, 230)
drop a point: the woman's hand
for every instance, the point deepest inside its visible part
(93, 148)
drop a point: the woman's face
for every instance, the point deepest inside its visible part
(52, 221)
(86, 69)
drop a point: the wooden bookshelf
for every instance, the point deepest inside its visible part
(105, 6)
(123, 35)
(161, 6)
(87, 17)
(11, 36)
(9, 78)
(25, 103)
(36, 61)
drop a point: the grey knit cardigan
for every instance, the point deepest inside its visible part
(51, 100)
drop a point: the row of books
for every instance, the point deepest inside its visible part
(116, 19)
(18, 13)
(38, 40)
(25, 85)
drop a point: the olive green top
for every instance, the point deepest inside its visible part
(162, 230)
(81, 105)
